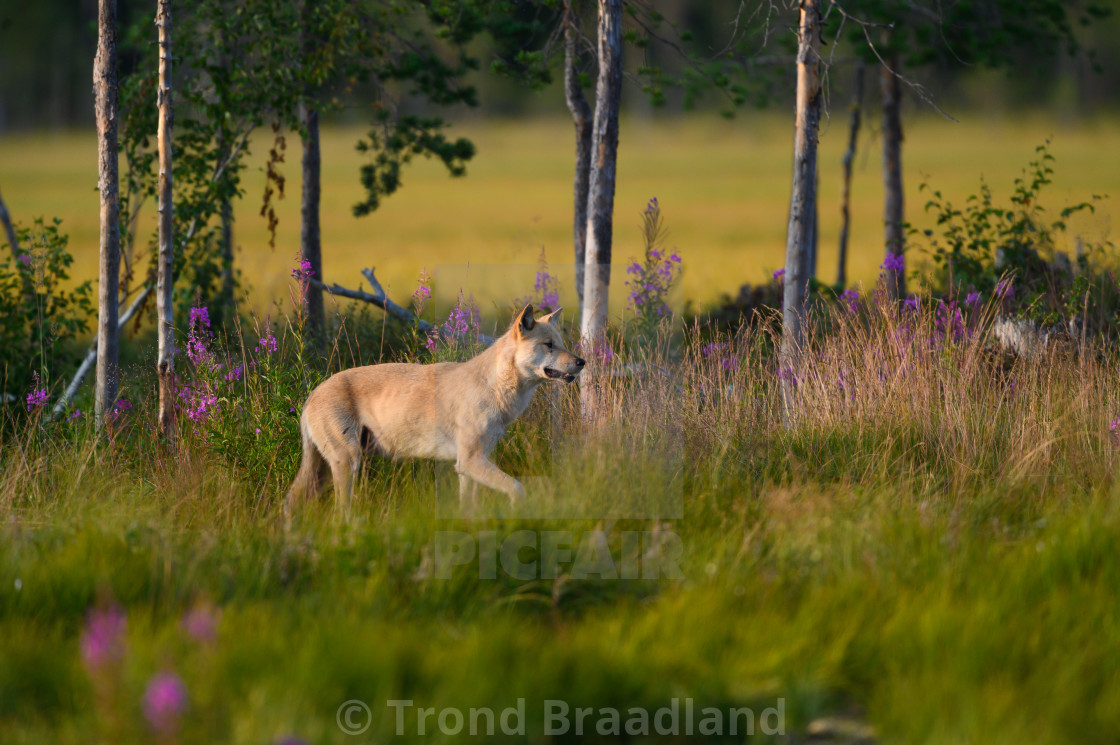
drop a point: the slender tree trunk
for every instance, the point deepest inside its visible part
(105, 109)
(581, 117)
(893, 206)
(165, 326)
(310, 247)
(804, 196)
(846, 194)
(227, 300)
(13, 244)
(600, 195)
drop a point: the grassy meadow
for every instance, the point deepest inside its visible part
(918, 547)
(723, 187)
(921, 550)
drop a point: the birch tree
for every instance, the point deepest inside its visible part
(581, 118)
(165, 318)
(600, 191)
(105, 109)
(904, 36)
(846, 189)
(803, 201)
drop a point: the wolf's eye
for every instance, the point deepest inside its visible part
(549, 345)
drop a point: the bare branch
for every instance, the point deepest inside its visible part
(91, 355)
(381, 300)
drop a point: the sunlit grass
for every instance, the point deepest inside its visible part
(723, 187)
(925, 542)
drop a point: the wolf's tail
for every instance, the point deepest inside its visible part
(307, 479)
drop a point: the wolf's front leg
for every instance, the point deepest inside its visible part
(468, 490)
(473, 462)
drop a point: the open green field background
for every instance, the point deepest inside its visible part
(723, 187)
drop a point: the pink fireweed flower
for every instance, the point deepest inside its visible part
(1004, 289)
(267, 343)
(165, 699)
(303, 271)
(851, 299)
(893, 262)
(102, 640)
(973, 298)
(235, 374)
(198, 336)
(75, 415)
(779, 275)
(546, 285)
(25, 259)
(37, 398)
(201, 622)
(423, 291)
(1114, 426)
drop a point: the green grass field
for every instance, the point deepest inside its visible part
(920, 548)
(723, 188)
(926, 553)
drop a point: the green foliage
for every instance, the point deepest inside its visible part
(974, 247)
(993, 33)
(40, 313)
(395, 144)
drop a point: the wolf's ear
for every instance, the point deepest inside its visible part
(552, 317)
(525, 321)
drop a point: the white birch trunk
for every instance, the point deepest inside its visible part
(600, 195)
(803, 200)
(165, 323)
(105, 108)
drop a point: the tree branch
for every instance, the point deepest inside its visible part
(91, 355)
(381, 300)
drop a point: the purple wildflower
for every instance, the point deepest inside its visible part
(423, 290)
(893, 263)
(203, 407)
(1114, 426)
(779, 275)
(164, 702)
(267, 343)
(973, 298)
(200, 316)
(949, 320)
(303, 271)
(546, 286)
(1004, 289)
(652, 206)
(851, 299)
(25, 259)
(37, 398)
(199, 336)
(235, 374)
(201, 622)
(75, 415)
(912, 304)
(102, 640)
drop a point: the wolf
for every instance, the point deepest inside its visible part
(455, 411)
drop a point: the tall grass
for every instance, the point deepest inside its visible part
(923, 540)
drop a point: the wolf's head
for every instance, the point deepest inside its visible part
(540, 349)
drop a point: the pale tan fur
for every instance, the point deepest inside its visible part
(447, 411)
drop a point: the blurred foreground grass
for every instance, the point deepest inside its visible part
(723, 187)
